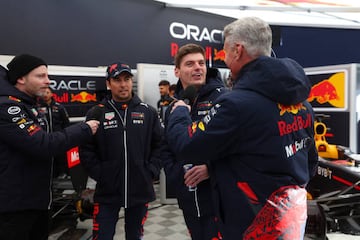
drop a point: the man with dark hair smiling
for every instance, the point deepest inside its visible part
(205, 85)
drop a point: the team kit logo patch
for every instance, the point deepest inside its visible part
(137, 117)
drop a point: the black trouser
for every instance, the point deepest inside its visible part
(24, 225)
(203, 228)
(106, 216)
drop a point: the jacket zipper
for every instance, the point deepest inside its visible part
(196, 197)
(50, 119)
(123, 121)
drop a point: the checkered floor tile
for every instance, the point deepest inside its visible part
(165, 222)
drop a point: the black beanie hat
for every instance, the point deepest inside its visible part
(21, 65)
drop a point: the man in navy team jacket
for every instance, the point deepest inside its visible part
(258, 137)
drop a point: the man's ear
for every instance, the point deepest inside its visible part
(21, 81)
(177, 72)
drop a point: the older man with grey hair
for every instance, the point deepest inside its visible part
(259, 138)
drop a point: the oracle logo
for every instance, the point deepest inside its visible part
(192, 32)
(69, 85)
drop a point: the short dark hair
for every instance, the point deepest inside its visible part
(187, 49)
(164, 83)
(172, 87)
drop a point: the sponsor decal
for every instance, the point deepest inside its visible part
(205, 104)
(109, 115)
(110, 124)
(194, 126)
(324, 172)
(137, 115)
(294, 109)
(43, 110)
(124, 106)
(293, 148)
(15, 119)
(203, 108)
(201, 126)
(73, 85)
(23, 120)
(96, 225)
(192, 129)
(34, 111)
(219, 55)
(63, 98)
(138, 121)
(329, 92)
(83, 97)
(13, 110)
(202, 113)
(32, 129)
(23, 123)
(73, 157)
(211, 54)
(211, 114)
(297, 124)
(14, 99)
(192, 32)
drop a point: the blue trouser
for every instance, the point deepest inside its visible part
(106, 216)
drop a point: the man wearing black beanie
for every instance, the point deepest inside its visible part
(26, 149)
(22, 65)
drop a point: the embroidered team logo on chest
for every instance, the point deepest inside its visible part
(109, 116)
(137, 117)
(110, 121)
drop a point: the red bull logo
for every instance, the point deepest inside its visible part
(219, 55)
(211, 54)
(33, 129)
(83, 97)
(63, 98)
(297, 124)
(331, 91)
(192, 129)
(323, 92)
(294, 109)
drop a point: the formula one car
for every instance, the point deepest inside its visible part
(334, 192)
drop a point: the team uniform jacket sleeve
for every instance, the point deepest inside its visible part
(186, 138)
(169, 162)
(154, 162)
(89, 159)
(20, 131)
(89, 156)
(313, 160)
(168, 158)
(313, 157)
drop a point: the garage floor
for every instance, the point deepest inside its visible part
(165, 222)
